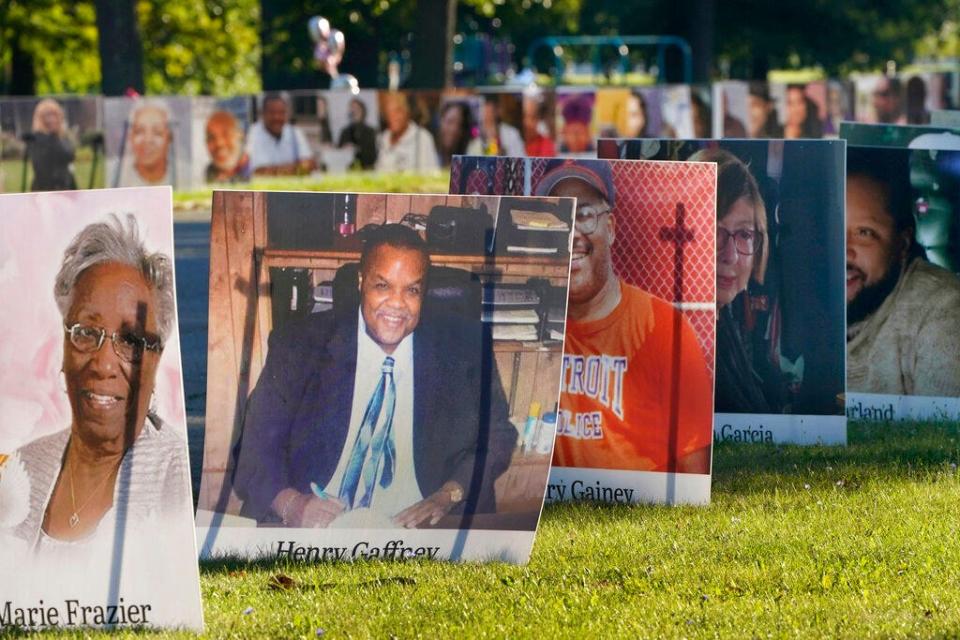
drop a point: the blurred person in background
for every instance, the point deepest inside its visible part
(275, 146)
(802, 118)
(323, 121)
(499, 138)
(888, 102)
(763, 113)
(51, 151)
(702, 116)
(575, 135)
(362, 136)
(150, 140)
(917, 101)
(456, 134)
(536, 131)
(228, 160)
(635, 120)
(404, 145)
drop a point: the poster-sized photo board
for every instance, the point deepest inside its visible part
(96, 511)
(781, 343)
(903, 299)
(636, 408)
(383, 383)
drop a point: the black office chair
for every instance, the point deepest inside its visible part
(449, 290)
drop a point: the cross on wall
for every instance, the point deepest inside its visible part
(680, 235)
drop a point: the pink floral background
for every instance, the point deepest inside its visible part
(35, 229)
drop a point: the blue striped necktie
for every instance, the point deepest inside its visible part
(374, 444)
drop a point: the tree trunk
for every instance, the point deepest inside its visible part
(23, 75)
(701, 33)
(121, 51)
(432, 55)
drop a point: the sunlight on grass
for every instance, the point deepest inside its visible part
(434, 182)
(812, 542)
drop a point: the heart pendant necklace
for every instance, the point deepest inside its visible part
(74, 520)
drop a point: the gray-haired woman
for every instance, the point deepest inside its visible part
(117, 462)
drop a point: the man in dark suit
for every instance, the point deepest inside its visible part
(328, 432)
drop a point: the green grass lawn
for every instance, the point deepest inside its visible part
(196, 204)
(855, 542)
(190, 205)
(11, 173)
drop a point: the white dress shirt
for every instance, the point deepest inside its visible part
(414, 151)
(511, 142)
(266, 151)
(404, 490)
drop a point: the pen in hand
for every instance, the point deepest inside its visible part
(319, 491)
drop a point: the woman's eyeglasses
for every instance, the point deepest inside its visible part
(127, 345)
(746, 241)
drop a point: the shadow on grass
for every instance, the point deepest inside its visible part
(906, 450)
(237, 565)
(84, 632)
(876, 452)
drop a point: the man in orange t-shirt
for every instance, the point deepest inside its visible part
(629, 356)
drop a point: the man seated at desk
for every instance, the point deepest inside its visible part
(376, 418)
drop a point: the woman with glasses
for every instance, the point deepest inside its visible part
(116, 465)
(741, 255)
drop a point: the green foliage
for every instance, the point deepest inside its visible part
(840, 37)
(945, 41)
(214, 46)
(190, 46)
(372, 28)
(200, 47)
(753, 36)
(61, 37)
(522, 21)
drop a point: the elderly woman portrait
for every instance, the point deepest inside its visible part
(149, 142)
(50, 148)
(116, 462)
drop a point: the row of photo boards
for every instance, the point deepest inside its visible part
(411, 377)
(61, 143)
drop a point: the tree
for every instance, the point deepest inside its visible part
(193, 46)
(432, 55)
(48, 47)
(121, 53)
(372, 29)
(208, 47)
(754, 36)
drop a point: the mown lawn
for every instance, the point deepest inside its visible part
(12, 181)
(196, 204)
(855, 542)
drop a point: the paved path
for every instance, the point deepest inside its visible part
(192, 266)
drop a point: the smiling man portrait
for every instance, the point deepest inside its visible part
(903, 313)
(625, 338)
(381, 417)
